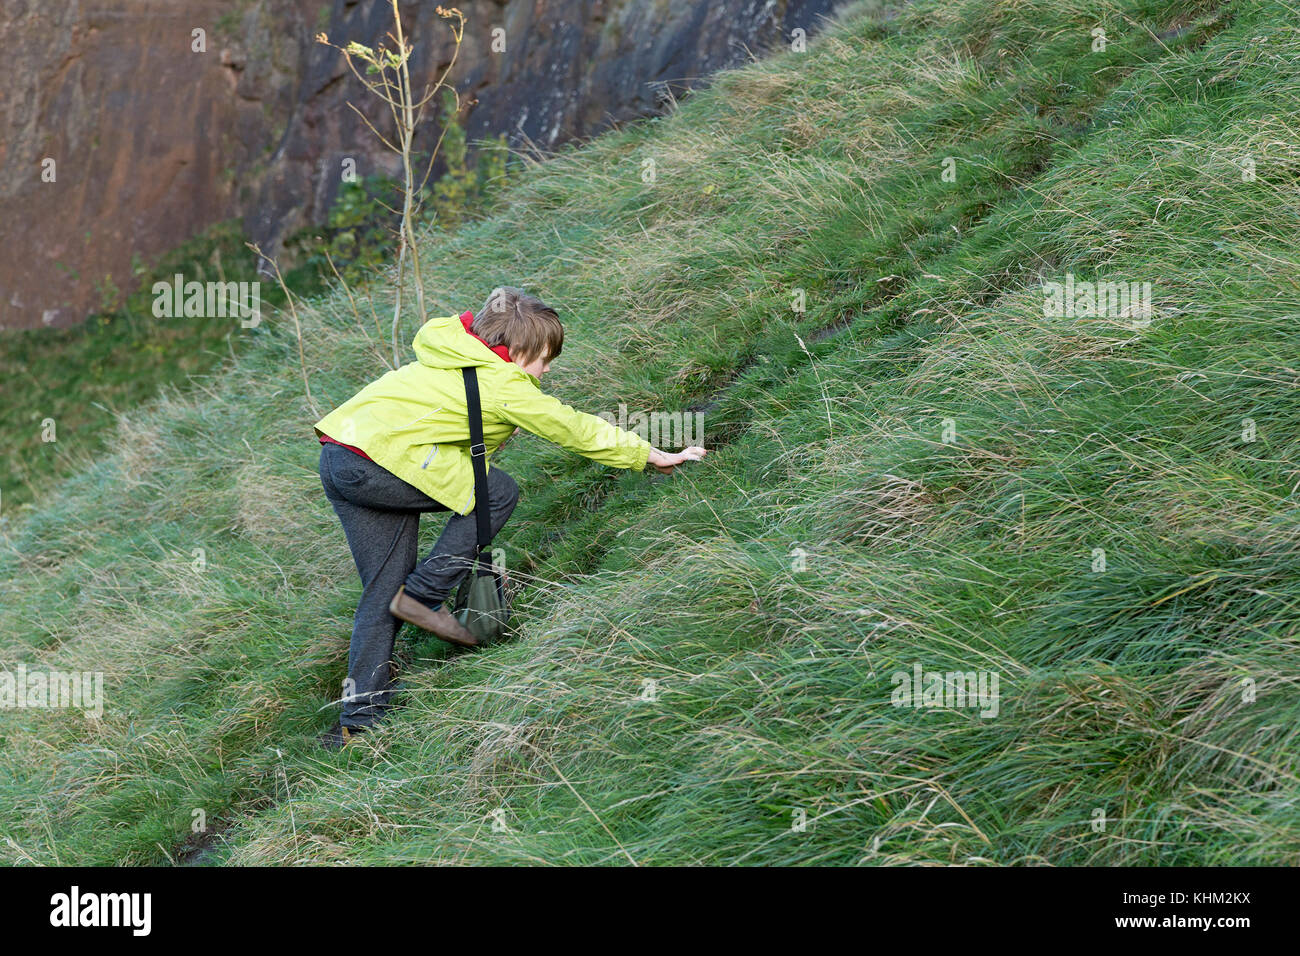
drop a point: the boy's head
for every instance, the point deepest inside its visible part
(526, 325)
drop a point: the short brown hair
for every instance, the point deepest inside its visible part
(525, 324)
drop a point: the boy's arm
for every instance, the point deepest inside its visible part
(530, 408)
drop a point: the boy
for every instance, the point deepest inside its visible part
(401, 446)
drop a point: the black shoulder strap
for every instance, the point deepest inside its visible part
(478, 454)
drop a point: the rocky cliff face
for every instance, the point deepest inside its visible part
(127, 126)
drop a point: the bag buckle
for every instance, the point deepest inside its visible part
(478, 450)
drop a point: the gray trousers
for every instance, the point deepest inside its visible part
(380, 514)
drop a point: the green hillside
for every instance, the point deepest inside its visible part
(923, 467)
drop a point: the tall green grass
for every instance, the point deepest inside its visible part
(921, 467)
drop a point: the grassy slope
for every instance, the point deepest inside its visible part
(1121, 690)
(121, 360)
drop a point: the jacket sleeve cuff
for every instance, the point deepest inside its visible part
(642, 456)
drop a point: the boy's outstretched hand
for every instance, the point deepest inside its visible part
(667, 461)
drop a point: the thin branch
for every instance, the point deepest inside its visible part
(302, 360)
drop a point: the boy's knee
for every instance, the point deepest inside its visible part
(503, 487)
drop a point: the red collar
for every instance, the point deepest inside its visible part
(467, 319)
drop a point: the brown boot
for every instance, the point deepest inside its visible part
(439, 622)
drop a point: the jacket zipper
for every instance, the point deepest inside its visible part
(416, 421)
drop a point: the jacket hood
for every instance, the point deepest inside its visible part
(447, 343)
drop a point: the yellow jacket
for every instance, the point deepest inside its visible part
(414, 422)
